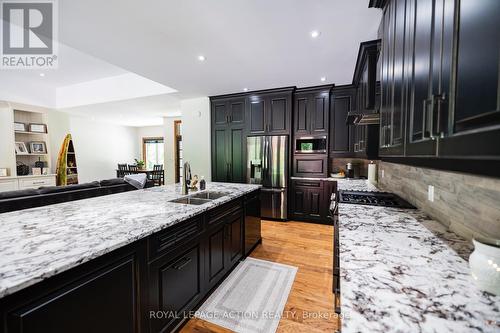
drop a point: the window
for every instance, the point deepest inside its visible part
(153, 152)
(178, 150)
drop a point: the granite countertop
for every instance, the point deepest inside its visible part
(401, 271)
(40, 242)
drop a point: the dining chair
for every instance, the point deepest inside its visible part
(132, 168)
(158, 175)
(122, 170)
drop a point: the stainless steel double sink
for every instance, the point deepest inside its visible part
(200, 198)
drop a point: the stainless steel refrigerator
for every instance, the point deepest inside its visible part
(267, 164)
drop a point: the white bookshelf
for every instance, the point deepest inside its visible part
(32, 117)
(9, 114)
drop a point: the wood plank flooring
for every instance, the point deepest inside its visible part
(309, 247)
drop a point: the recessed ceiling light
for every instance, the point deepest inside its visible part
(201, 58)
(245, 89)
(323, 79)
(315, 34)
(42, 74)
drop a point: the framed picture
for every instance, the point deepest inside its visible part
(4, 172)
(38, 128)
(21, 148)
(19, 127)
(38, 147)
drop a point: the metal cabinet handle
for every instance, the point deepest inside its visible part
(435, 129)
(424, 119)
(181, 263)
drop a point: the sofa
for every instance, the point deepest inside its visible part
(48, 195)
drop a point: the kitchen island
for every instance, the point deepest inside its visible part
(122, 255)
(401, 271)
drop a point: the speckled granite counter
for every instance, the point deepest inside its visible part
(40, 242)
(403, 272)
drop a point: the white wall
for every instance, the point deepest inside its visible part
(100, 147)
(196, 135)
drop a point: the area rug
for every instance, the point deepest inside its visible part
(252, 298)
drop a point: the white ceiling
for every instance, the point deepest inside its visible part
(255, 44)
(143, 111)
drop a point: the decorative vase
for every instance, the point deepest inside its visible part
(484, 263)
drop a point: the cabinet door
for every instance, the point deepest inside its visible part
(219, 155)
(420, 141)
(236, 160)
(340, 133)
(175, 284)
(236, 111)
(278, 114)
(234, 239)
(320, 108)
(474, 121)
(299, 202)
(216, 262)
(256, 115)
(85, 305)
(302, 115)
(219, 112)
(315, 202)
(394, 78)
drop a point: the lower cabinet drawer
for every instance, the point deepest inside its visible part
(175, 286)
(25, 183)
(85, 305)
(8, 185)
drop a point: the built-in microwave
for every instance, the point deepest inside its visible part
(310, 145)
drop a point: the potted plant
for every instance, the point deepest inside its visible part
(140, 164)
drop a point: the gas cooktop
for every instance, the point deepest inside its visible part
(384, 199)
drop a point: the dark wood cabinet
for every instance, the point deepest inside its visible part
(224, 243)
(365, 76)
(146, 286)
(436, 82)
(252, 229)
(311, 110)
(175, 285)
(365, 141)
(343, 101)
(109, 287)
(228, 139)
(311, 200)
(270, 112)
(216, 255)
(472, 123)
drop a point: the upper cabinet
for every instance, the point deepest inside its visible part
(228, 111)
(343, 101)
(440, 80)
(228, 139)
(270, 112)
(472, 126)
(311, 110)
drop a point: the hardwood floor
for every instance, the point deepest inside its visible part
(309, 247)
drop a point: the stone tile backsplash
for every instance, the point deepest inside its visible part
(469, 205)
